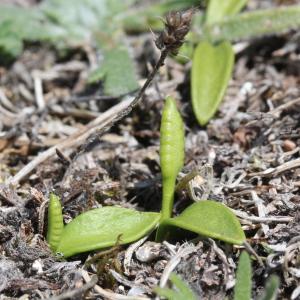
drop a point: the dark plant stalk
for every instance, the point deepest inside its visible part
(177, 25)
(95, 138)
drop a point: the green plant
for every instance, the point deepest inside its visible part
(55, 222)
(180, 290)
(271, 289)
(71, 23)
(213, 62)
(171, 153)
(217, 10)
(103, 227)
(252, 24)
(206, 218)
(211, 71)
(221, 22)
(242, 289)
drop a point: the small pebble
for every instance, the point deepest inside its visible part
(148, 252)
(288, 145)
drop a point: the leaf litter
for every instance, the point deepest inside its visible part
(252, 145)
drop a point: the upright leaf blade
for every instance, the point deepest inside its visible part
(182, 287)
(242, 289)
(211, 71)
(55, 222)
(171, 153)
(217, 9)
(102, 227)
(271, 288)
(207, 218)
(182, 292)
(254, 24)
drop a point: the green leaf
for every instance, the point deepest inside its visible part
(242, 289)
(118, 71)
(55, 222)
(182, 290)
(254, 24)
(211, 71)
(271, 288)
(171, 153)
(101, 227)
(217, 10)
(207, 218)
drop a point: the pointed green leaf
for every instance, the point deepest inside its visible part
(254, 23)
(271, 288)
(55, 222)
(242, 289)
(171, 153)
(182, 292)
(207, 218)
(101, 228)
(182, 287)
(217, 9)
(211, 71)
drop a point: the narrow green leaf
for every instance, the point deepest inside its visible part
(217, 10)
(211, 71)
(254, 23)
(101, 227)
(182, 287)
(118, 71)
(242, 289)
(181, 290)
(207, 218)
(171, 153)
(55, 222)
(166, 293)
(271, 288)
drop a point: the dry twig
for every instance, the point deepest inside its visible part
(110, 295)
(289, 165)
(183, 251)
(79, 291)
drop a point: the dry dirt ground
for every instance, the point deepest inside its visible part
(252, 144)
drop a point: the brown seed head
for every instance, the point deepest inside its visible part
(177, 25)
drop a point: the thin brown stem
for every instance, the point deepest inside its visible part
(94, 139)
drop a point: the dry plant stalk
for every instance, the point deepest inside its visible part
(177, 25)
